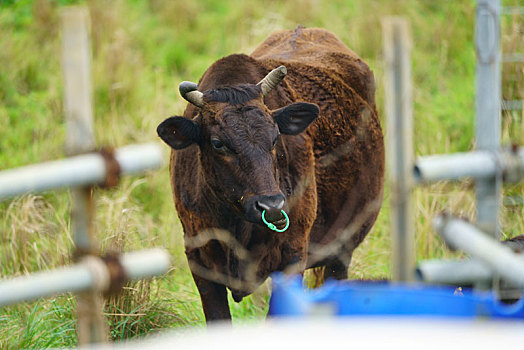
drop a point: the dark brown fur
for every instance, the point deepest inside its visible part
(332, 174)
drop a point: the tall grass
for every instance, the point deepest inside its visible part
(141, 51)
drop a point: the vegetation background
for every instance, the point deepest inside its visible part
(141, 51)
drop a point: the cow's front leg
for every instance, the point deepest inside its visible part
(214, 299)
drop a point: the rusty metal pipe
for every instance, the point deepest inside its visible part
(78, 170)
(89, 274)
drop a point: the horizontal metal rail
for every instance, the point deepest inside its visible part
(454, 272)
(476, 164)
(461, 235)
(91, 273)
(464, 273)
(79, 170)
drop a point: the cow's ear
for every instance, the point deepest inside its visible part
(179, 132)
(296, 117)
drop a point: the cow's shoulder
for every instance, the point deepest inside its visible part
(301, 44)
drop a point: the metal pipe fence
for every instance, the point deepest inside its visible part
(77, 171)
(487, 109)
(489, 165)
(463, 236)
(466, 272)
(476, 165)
(91, 274)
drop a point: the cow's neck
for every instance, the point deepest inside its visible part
(232, 70)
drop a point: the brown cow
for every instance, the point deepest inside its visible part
(245, 152)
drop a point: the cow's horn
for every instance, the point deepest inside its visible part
(272, 79)
(189, 91)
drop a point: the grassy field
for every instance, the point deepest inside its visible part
(141, 51)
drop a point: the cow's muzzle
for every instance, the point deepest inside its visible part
(272, 207)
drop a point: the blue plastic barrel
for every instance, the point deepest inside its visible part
(347, 298)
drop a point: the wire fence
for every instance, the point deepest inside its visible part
(489, 165)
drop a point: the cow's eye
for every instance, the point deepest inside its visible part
(218, 145)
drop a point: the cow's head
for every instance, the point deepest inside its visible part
(237, 135)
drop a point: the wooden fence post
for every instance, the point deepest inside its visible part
(76, 56)
(399, 114)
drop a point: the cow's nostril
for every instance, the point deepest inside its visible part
(268, 206)
(280, 204)
(262, 206)
(272, 203)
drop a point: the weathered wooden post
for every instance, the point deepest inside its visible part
(76, 56)
(399, 114)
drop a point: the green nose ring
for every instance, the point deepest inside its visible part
(272, 226)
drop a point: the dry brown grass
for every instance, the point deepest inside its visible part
(512, 78)
(35, 236)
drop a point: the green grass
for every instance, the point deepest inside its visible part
(141, 51)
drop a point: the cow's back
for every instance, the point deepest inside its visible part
(323, 52)
(348, 141)
(305, 44)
